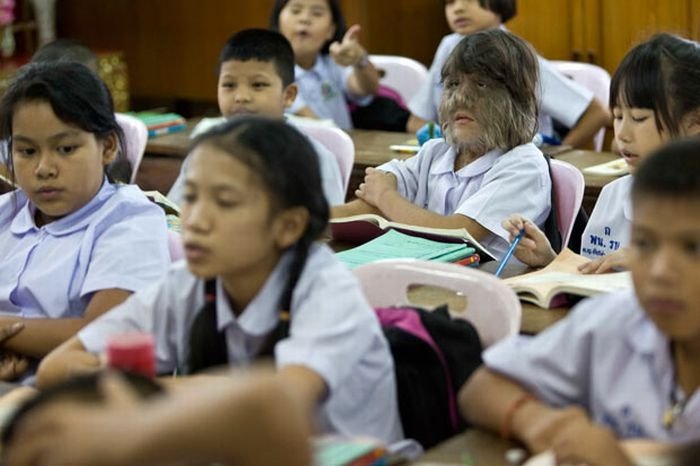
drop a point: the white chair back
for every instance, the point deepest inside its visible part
(339, 143)
(135, 139)
(403, 74)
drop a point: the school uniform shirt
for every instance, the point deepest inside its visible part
(608, 358)
(324, 88)
(486, 190)
(331, 180)
(558, 96)
(117, 240)
(608, 228)
(333, 332)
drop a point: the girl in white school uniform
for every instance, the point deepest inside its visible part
(73, 244)
(251, 217)
(331, 65)
(486, 165)
(655, 97)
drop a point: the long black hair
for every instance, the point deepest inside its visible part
(77, 96)
(287, 164)
(336, 16)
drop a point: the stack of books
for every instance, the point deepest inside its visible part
(161, 123)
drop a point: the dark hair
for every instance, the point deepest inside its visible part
(506, 9)
(262, 45)
(336, 16)
(65, 50)
(76, 95)
(672, 171)
(82, 388)
(287, 165)
(662, 74)
(509, 63)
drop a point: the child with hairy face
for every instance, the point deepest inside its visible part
(486, 164)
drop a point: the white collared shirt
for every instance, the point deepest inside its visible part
(331, 180)
(608, 228)
(324, 89)
(608, 358)
(486, 190)
(558, 97)
(117, 240)
(333, 332)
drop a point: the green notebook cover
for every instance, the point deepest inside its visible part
(396, 245)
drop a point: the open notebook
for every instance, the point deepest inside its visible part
(397, 245)
(358, 229)
(562, 277)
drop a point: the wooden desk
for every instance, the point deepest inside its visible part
(472, 447)
(163, 158)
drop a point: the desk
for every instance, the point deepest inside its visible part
(162, 159)
(475, 447)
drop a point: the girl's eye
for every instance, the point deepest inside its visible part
(227, 85)
(642, 244)
(226, 203)
(639, 119)
(481, 84)
(692, 247)
(189, 198)
(24, 151)
(451, 83)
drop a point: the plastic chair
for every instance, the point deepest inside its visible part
(403, 74)
(339, 143)
(175, 246)
(591, 77)
(492, 307)
(135, 139)
(568, 185)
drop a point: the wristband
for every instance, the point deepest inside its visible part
(510, 413)
(363, 62)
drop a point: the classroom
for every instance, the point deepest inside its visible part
(335, 232)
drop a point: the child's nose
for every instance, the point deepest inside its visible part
(45, 167)
(242, 95)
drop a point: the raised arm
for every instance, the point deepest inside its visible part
(364, 79)
(593, 119)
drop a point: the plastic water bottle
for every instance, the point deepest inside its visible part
(132, 352)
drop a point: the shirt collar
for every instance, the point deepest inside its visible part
(318, 69)
(262, 314)
(75, 221)
(446, 164)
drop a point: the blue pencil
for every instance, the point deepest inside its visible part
(509, 253)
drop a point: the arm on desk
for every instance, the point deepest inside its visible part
(593, 119)
(259, 418)
(40, 336)
(69, 359)
(498, 404)
(414, 123)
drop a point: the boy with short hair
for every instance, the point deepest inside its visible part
(256, 76)
(630, 360)
(559, 97)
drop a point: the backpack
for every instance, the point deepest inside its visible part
(434, 355)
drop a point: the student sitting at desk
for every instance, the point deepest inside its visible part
(630, 360)
(655, 97)
(331, 65)
(67, 251)
(256, 77)
(486, 165)
(559, 97)
(257, 283)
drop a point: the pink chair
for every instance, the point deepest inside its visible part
(403, 74)
(175, 246)
(491, 306)
(339, 143)
(591, 77)
(135, 139)
(568, 185)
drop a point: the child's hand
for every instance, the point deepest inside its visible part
(589, 444)
(10, 330)
(12, 365)
(377, 183)
(534, 248)
(608, 263)
(349, 52)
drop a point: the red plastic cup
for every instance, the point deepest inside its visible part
(132, 352)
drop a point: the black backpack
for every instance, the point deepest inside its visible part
(434, 355)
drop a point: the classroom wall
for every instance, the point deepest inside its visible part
(171, 46)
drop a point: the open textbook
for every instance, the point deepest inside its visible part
(359, 229)
(562, 277)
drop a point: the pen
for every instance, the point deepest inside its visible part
(431, 130)
(509, 253)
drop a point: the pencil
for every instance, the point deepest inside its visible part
(510, 252)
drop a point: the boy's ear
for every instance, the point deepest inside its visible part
(290, 94)
(290, 225)
(110, 147)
